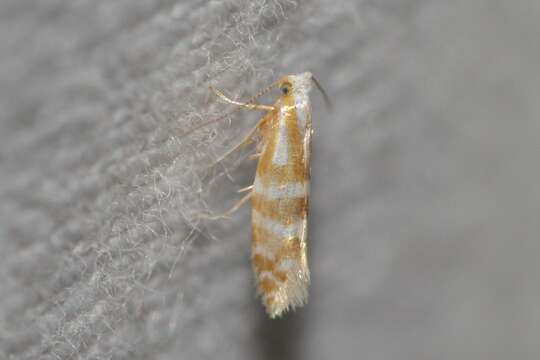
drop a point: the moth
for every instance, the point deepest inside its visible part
(280, 193)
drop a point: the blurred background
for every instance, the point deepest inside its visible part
(425, 180)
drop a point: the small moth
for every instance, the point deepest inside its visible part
(280, 194)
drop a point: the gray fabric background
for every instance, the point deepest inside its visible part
(425, 198)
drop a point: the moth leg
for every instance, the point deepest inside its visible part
(232, 210)
(254, 156)
(247, 188)
(246, 140)
(249, 106)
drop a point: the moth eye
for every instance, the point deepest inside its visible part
(285, 89)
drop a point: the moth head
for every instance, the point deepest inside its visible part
(301, 85)
(297, 84)
(286, 87)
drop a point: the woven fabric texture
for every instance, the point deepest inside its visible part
(423, 241)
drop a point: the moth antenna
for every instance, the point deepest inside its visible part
(227, 114)
(325, 96)
(263, 91)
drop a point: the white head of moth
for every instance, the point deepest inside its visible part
(280, 194)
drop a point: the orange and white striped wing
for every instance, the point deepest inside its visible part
(280, 193)
(280, 202)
